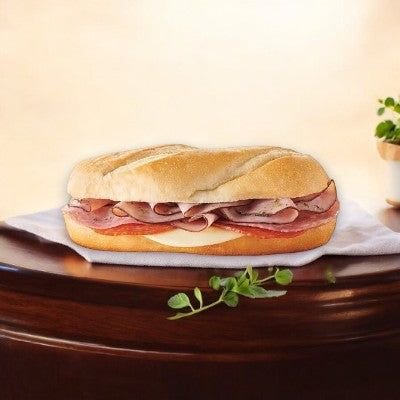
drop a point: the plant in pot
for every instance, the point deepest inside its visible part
(388, 132)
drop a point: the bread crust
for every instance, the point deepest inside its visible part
(244, 245)
(179, 173)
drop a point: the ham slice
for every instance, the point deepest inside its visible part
(119, 213)
(197, 223)
(191, 209)
(305, 220)
(321, 203)
(266, 207)
(284, 216)
(142, 211)
(103, 218)
(165, 208)
(89, 204)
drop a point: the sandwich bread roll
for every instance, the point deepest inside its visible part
(177, 198)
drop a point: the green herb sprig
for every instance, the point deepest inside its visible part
(244, 283)
(389, 130)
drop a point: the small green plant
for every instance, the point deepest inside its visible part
(389, 130)
(243, 283)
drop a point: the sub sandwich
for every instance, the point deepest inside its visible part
(176, 198)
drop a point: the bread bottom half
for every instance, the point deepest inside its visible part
(244, 245)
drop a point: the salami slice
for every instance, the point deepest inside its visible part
(135, 229)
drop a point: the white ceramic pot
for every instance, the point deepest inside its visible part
(391, 153)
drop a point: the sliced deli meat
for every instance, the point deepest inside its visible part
(305, 220)
(265, 207)
(142, 211)
(321, 203)
(118, 212)
(165, 208)
(252, 216)
(136, 229)
(197, 223)
(89, 204)
(274, 211)
(103, 218)
(192, 209)
(284, 216)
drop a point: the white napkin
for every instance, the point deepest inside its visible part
(357, 233)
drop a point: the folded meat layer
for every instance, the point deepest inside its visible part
(282, 214)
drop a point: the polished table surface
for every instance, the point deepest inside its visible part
(70, 329)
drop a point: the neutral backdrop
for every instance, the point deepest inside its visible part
(81, 78)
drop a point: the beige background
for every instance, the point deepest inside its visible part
(80, 78)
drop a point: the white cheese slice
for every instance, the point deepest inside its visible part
(182, 238)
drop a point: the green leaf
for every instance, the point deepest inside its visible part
(396, 135)
(392, 133)
(381, 110)
(259, 292)
(253, 275)
(180, 300)
(329, 276)
(284, 276)
(245, 291)
(380, 101)
(397, 108)
(241, 278)
(243, 288)
(215, 282)
(231, 299)
(389, 101)
(384, 128)
(198, 295)
(276, 293)
(249, 270)
(229, 284)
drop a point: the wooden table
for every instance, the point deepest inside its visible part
(74, 330)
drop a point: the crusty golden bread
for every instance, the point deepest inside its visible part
(178, 173)
(244, 245)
